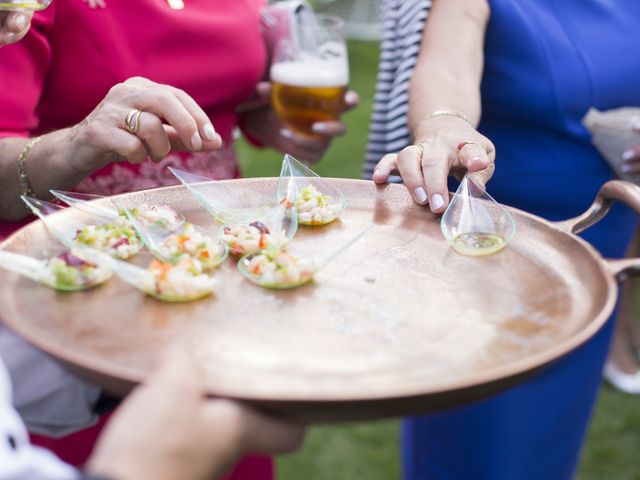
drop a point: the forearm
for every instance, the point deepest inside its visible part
(449, 67)
(53, 163)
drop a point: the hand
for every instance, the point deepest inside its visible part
(14, 26)
(443, 145)
(261, 122)
(631, 157)
(103, 136)
(168, 429)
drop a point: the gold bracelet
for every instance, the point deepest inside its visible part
(25, 185)
(450, 113)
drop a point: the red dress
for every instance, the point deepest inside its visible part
(212, 49)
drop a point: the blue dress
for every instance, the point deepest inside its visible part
(546, 63)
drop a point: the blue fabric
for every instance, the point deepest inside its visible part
(546, 63)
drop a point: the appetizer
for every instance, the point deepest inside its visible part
(180, 282)
(68, 272)
(193, 244)
(274, 268)
(117, 239)
(246, 238)
(162, 217)
(314, 208)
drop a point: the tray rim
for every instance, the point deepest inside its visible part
(496, 374)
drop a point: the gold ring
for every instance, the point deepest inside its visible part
(132, 122)
(461, 145)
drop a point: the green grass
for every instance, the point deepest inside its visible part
(369, 451)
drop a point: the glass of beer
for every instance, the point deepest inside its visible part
(310, 72)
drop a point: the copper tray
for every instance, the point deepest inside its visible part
(399, 324)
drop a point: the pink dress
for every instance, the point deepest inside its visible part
(213, 49)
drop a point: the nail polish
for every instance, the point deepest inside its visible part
(420, 195)
(628, 155)
(437, 201)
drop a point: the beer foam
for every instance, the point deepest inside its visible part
(311, 73)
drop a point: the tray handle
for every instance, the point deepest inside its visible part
(609, 192)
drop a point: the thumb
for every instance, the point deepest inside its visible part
(482, 177)
(177, 371)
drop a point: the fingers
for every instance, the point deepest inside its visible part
(631, 161)
(263, 90)
(477, 159)
(330, 129)
(154, 136)
(409, 166)
(272, 435)
(385, 166)
(436, 164)
(472, 156)
(177, 145)
(177, 372)
(254, 432)
(207, 132)
(169, 104)
(351, 100)
(300, 146)
(118, 142)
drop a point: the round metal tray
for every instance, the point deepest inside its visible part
(398, 324)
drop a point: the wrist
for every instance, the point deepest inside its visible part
(78, 151)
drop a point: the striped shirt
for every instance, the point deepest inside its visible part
(402, 25)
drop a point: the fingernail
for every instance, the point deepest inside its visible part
(436, 201)
(196, 141)
(628, 155)
(351, 97)
(319, 128)
(209, 132)
(21, 22)
(420, 195)
(625, 168)
(635, 123)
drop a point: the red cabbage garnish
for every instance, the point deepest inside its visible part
(122, 241)
(260, 226)
(73, 261)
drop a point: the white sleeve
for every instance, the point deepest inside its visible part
(19, 460)
(50, 400)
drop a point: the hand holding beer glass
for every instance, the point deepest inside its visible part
(310, 73)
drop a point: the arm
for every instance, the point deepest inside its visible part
(171, 121)
(446, 79)
(167, 429)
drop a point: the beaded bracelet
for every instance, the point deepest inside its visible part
(450, 113)
(25, 185)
